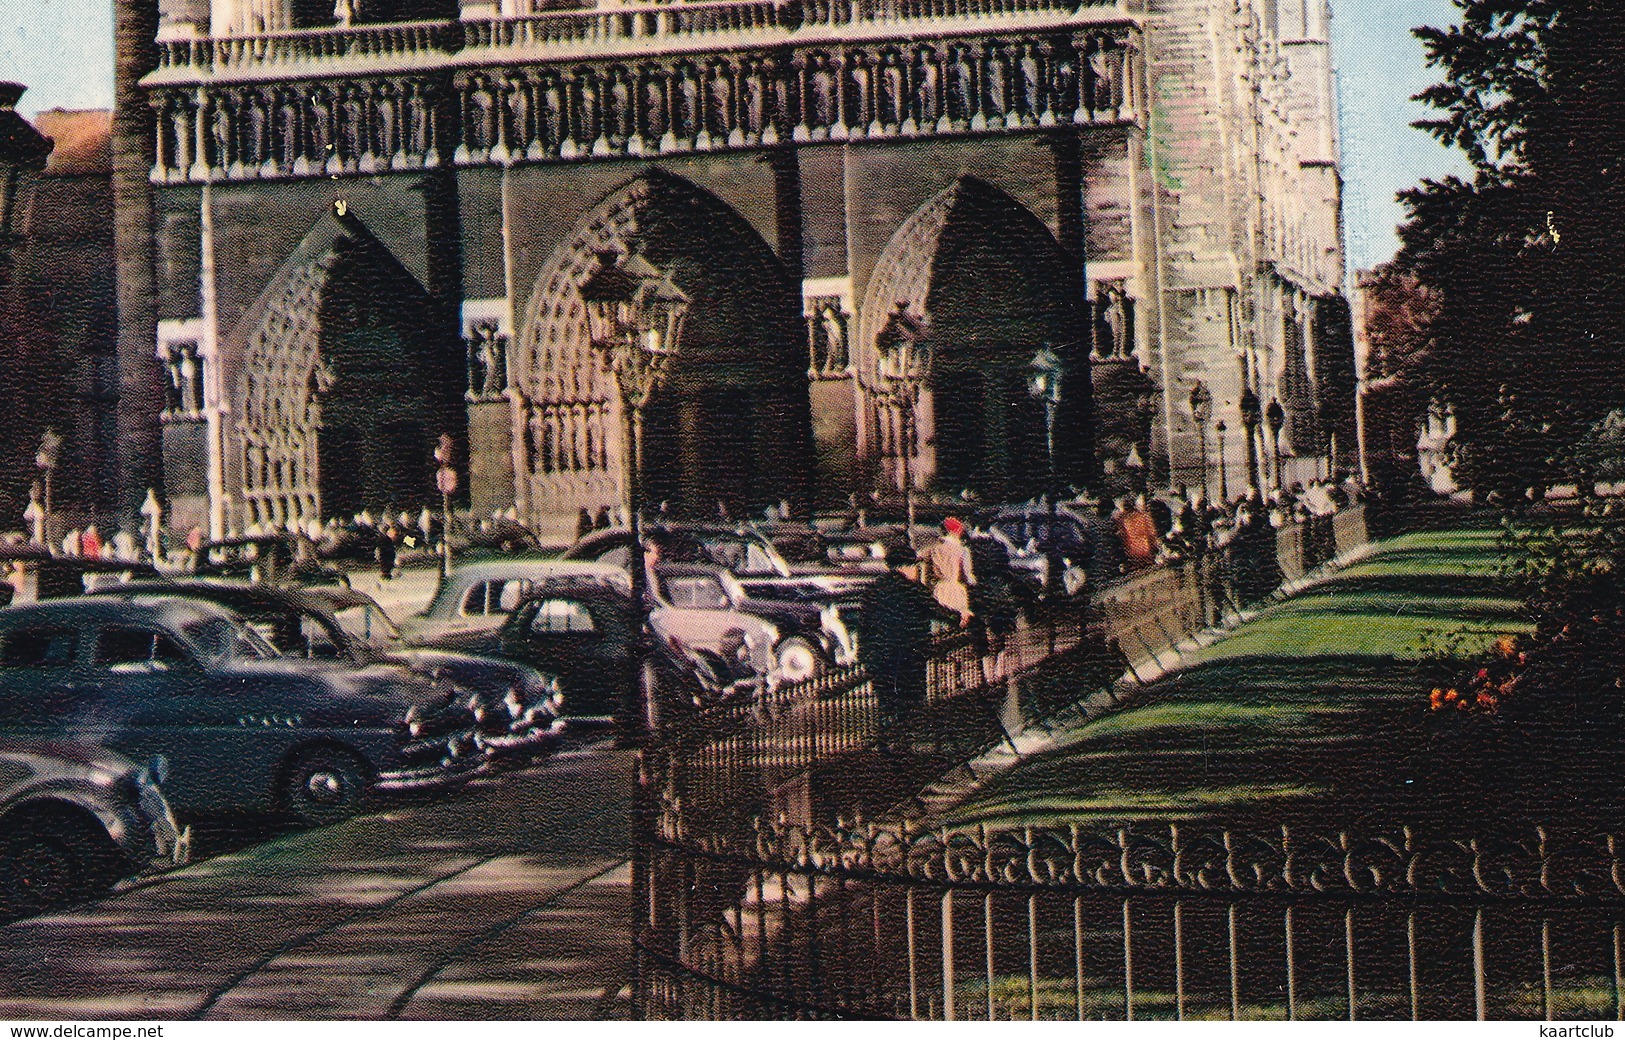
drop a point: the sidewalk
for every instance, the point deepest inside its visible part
(510, 899)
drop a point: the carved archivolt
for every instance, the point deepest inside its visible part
(279, 402)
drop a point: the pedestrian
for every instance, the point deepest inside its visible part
(583, 523)
(90, 543)
(1136, 534)
(951, 570)
(386, 551)
(601, 521)
(896, 612)
(993, 602)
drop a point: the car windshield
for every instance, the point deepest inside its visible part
(368, 624)
(744, 556)
(222, 639)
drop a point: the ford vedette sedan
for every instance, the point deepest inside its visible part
(243, 728)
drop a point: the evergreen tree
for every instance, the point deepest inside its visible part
(1526, 257)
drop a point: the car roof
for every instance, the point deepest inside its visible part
(232, 593)
(488, 570)
(101, 608)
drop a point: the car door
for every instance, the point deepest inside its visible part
(164, 702)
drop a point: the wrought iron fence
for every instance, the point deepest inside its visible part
(882, 922)
(756, 897)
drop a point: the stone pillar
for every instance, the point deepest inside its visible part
(133, 143)
(1075, 460)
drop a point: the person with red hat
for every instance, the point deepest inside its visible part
(951, 572)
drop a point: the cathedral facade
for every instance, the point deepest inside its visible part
(369, 224)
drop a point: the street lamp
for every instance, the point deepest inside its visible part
(1275, 416)
(903, 366)
(635, 320)
(1201, 403)
(1249, 423)
(445, 481)
(46, 458)
(1044, 383)
(1224, 465)
(35, 514)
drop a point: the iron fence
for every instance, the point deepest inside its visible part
(875, 921)
(758, 896)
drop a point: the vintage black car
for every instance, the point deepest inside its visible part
(244, 728)
(584, 632)
(514, 709)
(74, 819)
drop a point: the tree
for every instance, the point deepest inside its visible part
(1398, 312)
(1528, 266)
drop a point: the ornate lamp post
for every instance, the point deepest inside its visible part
(635, 320)
(1275, 416)
(1201, 404)
(903, 366)
(46, 458)
(1249, 423)
(1224, 465)
(1044, 383)
(445, 481)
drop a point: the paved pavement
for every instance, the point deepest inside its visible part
(509, 899)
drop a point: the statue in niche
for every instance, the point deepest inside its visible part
(927, 96)
(552, 114)
(487, 361)
(1032, 101)
(1113, 322)
(653, 107)
(833, 333)
(890, 102)
(755, 102)
(221, 130)
(1100, 78)
(353, 129)
(620, 117)
(721, 105)
(174, 384)
(191, 379)
(822, 88)
(688, 109)
(998, 82)
(961, 85)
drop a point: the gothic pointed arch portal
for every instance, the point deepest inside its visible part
(988, 284)
(342, 390)
(731, 423)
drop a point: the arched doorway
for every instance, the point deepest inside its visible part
(731, 423)
(990, 287)
(343, 388)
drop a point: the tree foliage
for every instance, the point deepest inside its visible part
(1526, 256)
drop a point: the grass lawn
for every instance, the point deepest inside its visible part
(1315, 709)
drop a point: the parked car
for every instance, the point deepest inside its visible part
(513, 709)
(473, 602)
(1049, 552)
(74, 819)
(244, 728)
(812, 634)
(583, 631)
(746, 554)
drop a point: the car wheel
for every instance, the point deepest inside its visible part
(322, 786)
(53, 860)
(797, 660)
